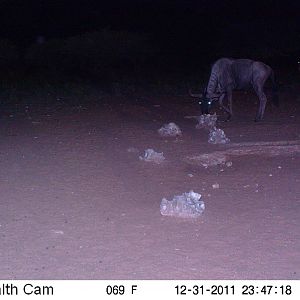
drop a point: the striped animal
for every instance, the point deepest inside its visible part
(229, 74)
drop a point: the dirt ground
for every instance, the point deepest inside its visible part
(76, 204)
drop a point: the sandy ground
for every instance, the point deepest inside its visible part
(76, 204)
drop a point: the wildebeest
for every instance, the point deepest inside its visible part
(229, 74)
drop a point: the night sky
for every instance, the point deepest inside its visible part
(185, 27)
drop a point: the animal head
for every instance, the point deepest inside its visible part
(205, 104)
(204, 101)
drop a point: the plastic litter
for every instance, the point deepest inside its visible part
(215, 186)
(217, 136)
(151, 156)
(229, 164)
(206, 121)
(187, 205)
(170, 129)
(132, 150)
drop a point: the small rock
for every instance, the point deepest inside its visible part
(57, 231)
(228, 164)
(216, 186)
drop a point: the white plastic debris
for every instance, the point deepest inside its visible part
(152, 156)
(206, 121)
(170, 129)
(187, 205)
(229, 164)
(215, 186)
(132, 150)
(217, 136)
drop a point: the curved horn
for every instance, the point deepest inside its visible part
(194, 95)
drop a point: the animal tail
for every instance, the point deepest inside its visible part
(275, 98)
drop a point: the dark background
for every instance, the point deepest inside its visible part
(139, 42)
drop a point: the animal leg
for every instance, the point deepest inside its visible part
(262, 105)
(229, 97)
(228, 109)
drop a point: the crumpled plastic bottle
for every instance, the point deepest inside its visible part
(152, 156)
(187, 205)
(170, 129)
(206, 121)
(217, 136)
